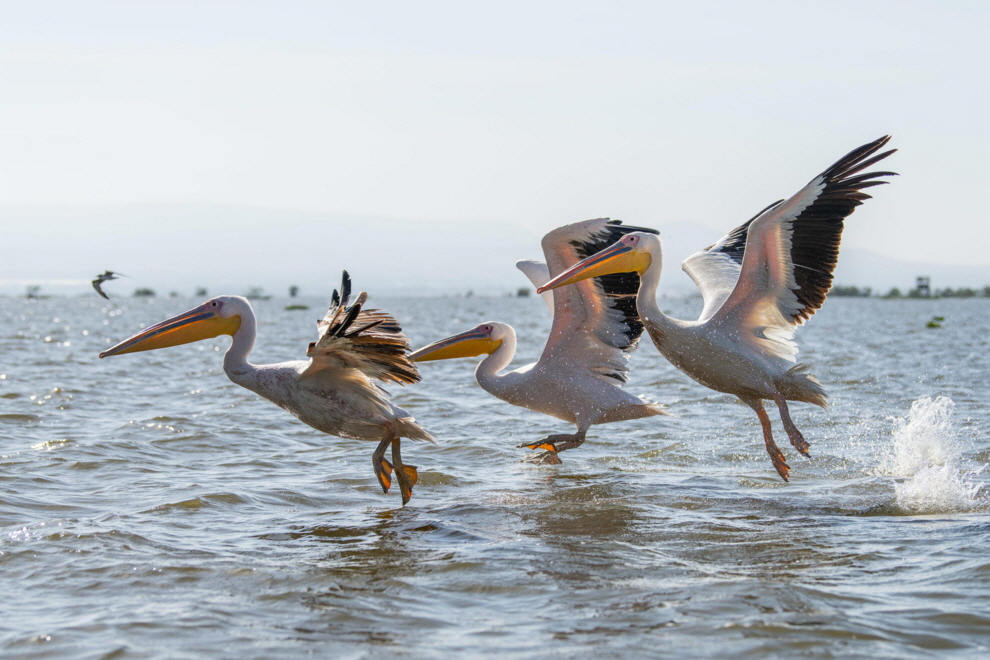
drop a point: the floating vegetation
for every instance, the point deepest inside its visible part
(144, 293)
(295, 307)
(850, 292)
(934, 323)
(920, 293)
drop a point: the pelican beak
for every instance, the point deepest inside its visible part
(618, 258)
(466, 344)
(198, 323)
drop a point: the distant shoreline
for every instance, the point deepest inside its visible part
(894, 293)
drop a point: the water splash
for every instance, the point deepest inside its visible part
(927, 457)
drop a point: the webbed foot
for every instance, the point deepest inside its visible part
(407, 478)
(797, 439)
(406, 475)
(383, 470)
(548, 445)
(777, 458)
(551, 446)
(548, 457)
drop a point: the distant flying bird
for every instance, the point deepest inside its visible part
(336, 391)
(759, 282)
(105, 277)
(578, 377)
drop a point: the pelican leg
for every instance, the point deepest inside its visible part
(792, 431)
(383, 469)
(574, 442)
(776, 456)
(406, 475)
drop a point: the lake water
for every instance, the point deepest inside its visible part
(149, 508)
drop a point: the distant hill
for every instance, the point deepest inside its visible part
(230, 250)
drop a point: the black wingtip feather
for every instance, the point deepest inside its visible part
(619, 288)
(817, 231)
(369, 326)
(628, 229)
(345, 288)
(734, 244)
(352, 313)
(857, 159)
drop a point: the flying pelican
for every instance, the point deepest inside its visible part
(758, 283)
(105, 277)
(334, 391)
(578, 377)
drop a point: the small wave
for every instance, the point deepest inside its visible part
(927, 459)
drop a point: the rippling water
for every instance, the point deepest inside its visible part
(151, 508)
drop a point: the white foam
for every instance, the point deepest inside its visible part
(927, 459)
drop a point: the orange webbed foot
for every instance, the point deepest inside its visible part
(384, 473)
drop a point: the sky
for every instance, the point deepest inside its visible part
(469, 129)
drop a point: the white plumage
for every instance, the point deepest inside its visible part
(538, 274)
(578, 377)
(759, 283)
(336, 391)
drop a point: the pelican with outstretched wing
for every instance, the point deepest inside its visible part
(336, 391)
(760, 282)
(578, 377)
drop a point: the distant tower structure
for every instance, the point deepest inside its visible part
(922, 284)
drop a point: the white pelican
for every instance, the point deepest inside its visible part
(105, 277)
(758, 283)
(334, 391)
(578, 377)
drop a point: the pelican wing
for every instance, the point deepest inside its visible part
(791, 250)
(595, 321)
(716, 268)
(368, 340)
(538, 274)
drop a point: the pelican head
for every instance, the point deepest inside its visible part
(480, 340)
(632, 253)
(217, 316)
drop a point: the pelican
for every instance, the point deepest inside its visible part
(759, 282)
(105, 277)
(335, 391)
(578, 377)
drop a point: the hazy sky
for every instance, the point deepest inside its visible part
(500, 115)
